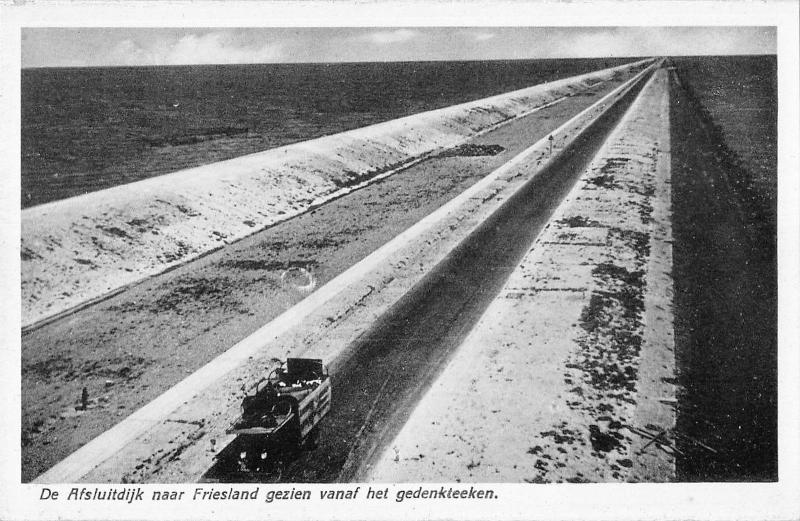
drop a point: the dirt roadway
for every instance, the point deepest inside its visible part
(398, 358)
(130, 348)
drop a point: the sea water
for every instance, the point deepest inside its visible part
(85, 129)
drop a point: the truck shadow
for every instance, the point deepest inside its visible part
(247, 460)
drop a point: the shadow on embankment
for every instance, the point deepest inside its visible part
(725, 274)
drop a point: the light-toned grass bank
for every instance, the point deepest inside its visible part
(568, 375)
(82, 248)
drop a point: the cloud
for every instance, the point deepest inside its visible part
(127, 52)
(47, 47)
(662, 41)
(216, 47)
(384, 37)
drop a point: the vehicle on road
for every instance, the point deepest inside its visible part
(282, 415)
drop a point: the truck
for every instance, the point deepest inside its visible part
(282, 414)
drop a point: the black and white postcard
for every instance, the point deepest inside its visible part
(400, 260)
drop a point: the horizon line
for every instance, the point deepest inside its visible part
(386, 61)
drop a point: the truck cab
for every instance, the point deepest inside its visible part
(283, 412)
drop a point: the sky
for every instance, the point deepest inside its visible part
(71, 47)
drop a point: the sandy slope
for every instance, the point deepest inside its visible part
(566, 375)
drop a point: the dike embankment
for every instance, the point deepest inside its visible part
(85, 248)
(569, 376)
(176, 436)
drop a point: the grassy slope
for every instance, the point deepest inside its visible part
(726, 302)
(736, 97)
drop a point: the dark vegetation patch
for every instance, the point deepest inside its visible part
(612, 334)
(349, 178)
(113, 230)
(644, 189)
(85, 262)
(66, 369)
(577, 479)
(472, 150)
(181, 251)
(317, 243)
(606, 181)
(579, 221)
(191, 289)
(97, 244)
(137, 222)
(264, 265)
(562, 436)
(645, 210)
(48, 368)
(27, 254)
(119, 368)
(605, 178)
(602, 441)
(186, 210)
(189, 292)
(141, 225)
(276, 245)
(609, 271)
(613, 163)
(638, 241)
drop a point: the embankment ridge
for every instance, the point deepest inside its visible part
(83, 248)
